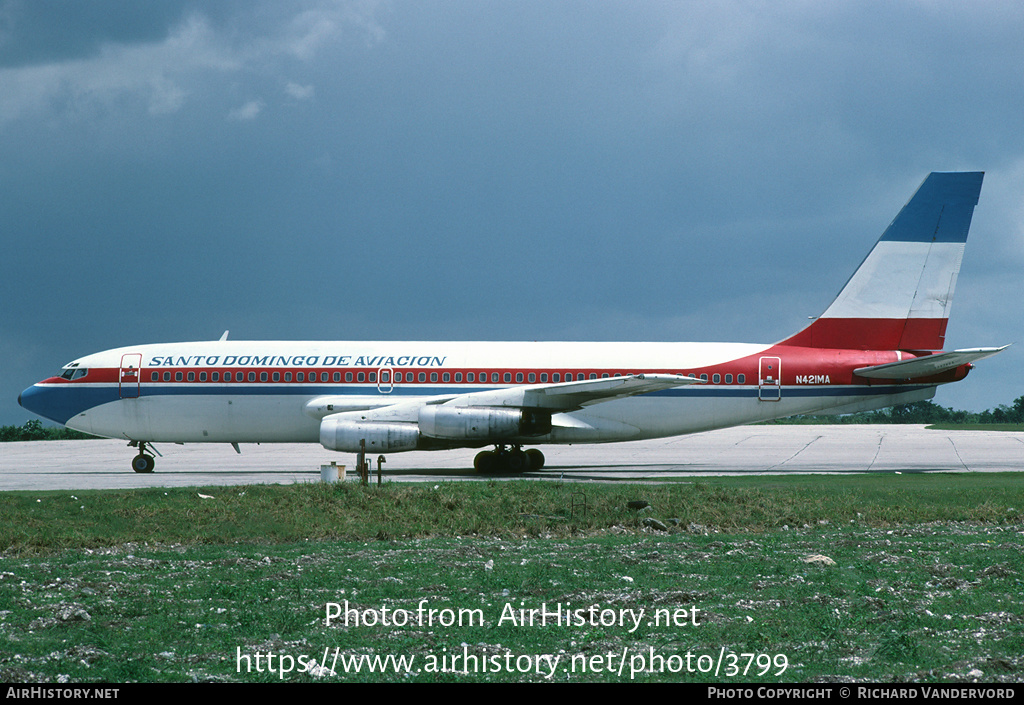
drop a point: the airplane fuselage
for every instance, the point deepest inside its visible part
(242, 391)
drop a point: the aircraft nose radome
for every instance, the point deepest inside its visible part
(42, 402)
(25, 398)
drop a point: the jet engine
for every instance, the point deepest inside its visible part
(451, 425)
(467, 423)
(344, 435)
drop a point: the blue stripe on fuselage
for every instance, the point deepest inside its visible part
(63, 402)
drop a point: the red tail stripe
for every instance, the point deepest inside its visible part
(872, 334)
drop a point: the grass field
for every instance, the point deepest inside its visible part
(776, 579)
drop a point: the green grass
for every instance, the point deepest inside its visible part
(44, 521)
(163, 585)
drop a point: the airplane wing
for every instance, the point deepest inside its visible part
(555, 397)
(928, 365)
(569, 396)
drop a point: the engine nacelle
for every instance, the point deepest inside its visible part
(482, 423)
(344, 435)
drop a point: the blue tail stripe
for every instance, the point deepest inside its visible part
(940, 211)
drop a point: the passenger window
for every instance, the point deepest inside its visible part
(568, 377)
(348, 376)
(361, 376)
(470, 377)
(287, 376)
(716, 378)
(300, 377)
(519, 376)
(604, 375)
(533, 377)
(508, 377)
(227, 376)
(372, 376)
(153, 377)
(728, 379)
(593, 376)
(337, 376)
(215, 376)
(458, 376)
(167, 376)
(704, 376)
(433, 376)
(177, 376)
(191, 376)
(252, 376)
(543, 376)
(423, 377)
(446, 377)
(263, 376)
(494, 376)
(741, 379)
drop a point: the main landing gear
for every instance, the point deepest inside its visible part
(143, 462)
(508, 459)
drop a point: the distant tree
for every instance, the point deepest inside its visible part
(33, 430)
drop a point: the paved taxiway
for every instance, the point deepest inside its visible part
(104, 464)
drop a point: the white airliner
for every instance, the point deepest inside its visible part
(878, 344)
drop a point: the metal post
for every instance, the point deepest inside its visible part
(361, 461)
(380, 461)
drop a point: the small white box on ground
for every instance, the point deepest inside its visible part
(332, 473)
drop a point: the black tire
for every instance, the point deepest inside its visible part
(536, 458)
(517, 461)
(484, 462)
(143, 463)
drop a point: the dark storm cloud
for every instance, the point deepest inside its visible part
(45, 31)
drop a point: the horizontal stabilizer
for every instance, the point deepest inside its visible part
(928, 365)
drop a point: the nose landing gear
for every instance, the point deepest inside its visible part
(143, 462)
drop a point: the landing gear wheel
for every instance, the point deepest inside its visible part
(516, 461)
(536, 458)
(143, 463)
(484, 462)
(507, 460)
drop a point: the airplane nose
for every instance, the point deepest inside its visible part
(44, 402)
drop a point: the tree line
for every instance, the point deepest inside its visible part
(924, 412)
(35, 431)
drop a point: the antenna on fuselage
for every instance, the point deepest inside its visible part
(225, 336)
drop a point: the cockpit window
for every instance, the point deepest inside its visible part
(74, 373)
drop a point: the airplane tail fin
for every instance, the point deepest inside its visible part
(899, 298)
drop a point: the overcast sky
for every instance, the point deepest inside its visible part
(490, 170)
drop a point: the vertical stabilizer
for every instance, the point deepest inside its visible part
(899, 298)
